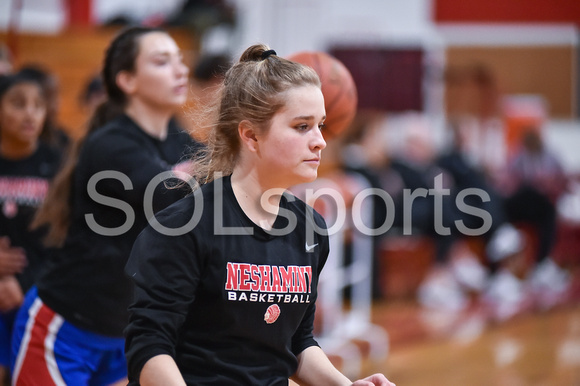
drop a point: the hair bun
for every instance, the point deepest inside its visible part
(256, 53)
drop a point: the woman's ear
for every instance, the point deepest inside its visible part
(126, 82)
(247, 133)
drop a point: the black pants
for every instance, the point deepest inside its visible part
(530, 206)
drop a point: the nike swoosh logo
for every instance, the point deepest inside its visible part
(309, 247)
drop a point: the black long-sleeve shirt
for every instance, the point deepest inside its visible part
(23, 187)
(231, 309)
(84, 281)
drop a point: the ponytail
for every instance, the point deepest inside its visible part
(55, 212)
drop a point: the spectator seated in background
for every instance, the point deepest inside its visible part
(534, 182)
(432, 213)
(506, 294)
(399, 158)
(464, 174)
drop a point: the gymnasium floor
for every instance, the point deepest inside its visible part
(538, 348)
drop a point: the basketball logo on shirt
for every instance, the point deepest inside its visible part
(272, 314)
(29, 191)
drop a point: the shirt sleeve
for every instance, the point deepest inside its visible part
(304, 336)
(165, 273)
(123, 153)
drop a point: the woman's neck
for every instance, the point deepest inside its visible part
(17, 150)
(153, 122)
(250, 193)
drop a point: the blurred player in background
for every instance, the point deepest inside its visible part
(70, 329)
(27, 165)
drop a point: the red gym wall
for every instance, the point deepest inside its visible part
(79, 12)
(507, 11)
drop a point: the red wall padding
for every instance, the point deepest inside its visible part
(79, 12)
(506, 11)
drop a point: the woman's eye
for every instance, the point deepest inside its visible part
(322, 126)
(302, 127)
(160, 60)
(18, 103)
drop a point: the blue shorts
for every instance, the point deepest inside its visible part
(47, 350)
(6, 322)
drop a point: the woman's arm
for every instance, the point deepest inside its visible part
(314, 368)
(165, 271)
(161, 370)
(129, 155)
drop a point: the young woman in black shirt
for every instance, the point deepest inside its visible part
(27, 166)
(226, 279)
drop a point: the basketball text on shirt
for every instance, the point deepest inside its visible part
(268, 283)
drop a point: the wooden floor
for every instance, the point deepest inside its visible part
(426, 349)
(539, 348)
(535, 349)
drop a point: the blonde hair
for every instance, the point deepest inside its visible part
(253, 89)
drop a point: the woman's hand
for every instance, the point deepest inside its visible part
(374, 380)
(12, 259)
(11, 295)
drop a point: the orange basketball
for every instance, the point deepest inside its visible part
(338, 88)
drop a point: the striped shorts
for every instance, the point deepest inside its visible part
(6, 322)
(48, 350)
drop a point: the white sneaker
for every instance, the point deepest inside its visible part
(549, 283)
(470, 273)
(441, 291)
(506, 241)
(506, 296)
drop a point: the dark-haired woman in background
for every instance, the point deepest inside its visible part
(27, 165)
